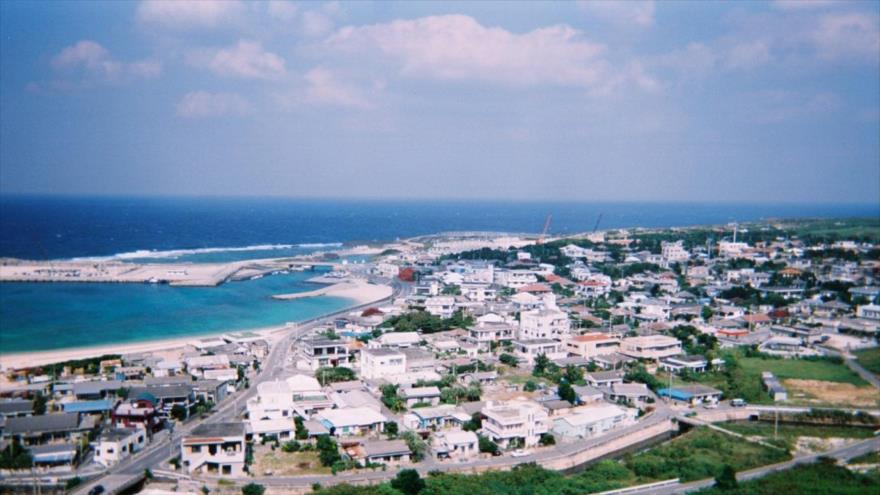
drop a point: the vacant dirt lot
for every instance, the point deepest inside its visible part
(835, 393)
(280, 463)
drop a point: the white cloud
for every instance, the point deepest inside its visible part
(632, 12)
(848, 36)
(748, 55)
(282, 9)
(247, 60)
(324, 88)
(774, 106)
(457, 47)
(805, 4)
(321, 21)
(95, 64)
(200, 104)
(183, 14)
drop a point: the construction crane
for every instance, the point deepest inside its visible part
(596, 227)
(546, 228)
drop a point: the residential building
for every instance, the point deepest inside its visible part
(517, 421)
(379, 363)
(456, 444)
(352, 421)
(383, 452)
(592, 344)
(650, 347)
(319, 353)
(117, 444)
(592, 421)
(214, 448)
(674, 252)
(528, 350)
(442, 306)
(420, 395)
(545, 323)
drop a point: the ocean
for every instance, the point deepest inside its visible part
(54, 316)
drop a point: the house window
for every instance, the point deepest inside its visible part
(195, 449)
(227, 469)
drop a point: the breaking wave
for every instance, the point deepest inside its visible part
(177, 253)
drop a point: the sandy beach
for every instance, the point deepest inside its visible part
(358, 291)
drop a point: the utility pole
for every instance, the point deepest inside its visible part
(776, 425)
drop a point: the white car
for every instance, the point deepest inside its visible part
(519, 453)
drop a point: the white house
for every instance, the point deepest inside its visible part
(215, 448)
(592, 421)
(274, 400)
(544, 324)
(515, 421)
(399, 339)
(592, 344)
(379, 363)
(650, 347)
(528, 350)
(352, 421)
(420, 395)
(673, 252)
(456, 444)
(442, 306)
(117, 444)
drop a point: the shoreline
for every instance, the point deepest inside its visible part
(358, 293)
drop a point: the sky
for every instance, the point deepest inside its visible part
(774, 101)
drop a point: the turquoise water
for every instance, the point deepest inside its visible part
(63, 315)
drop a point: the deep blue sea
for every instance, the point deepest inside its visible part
(52, 316)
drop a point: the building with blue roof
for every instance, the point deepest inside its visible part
(89, 406)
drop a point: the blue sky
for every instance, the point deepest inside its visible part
(592, 101)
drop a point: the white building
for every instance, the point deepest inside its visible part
(442, 306)
(456, 444)
(517, 420)
(546, 323)
(869, 311)
(352, 421)
(673, 252)
(529, 350)
(592, 344)
(515, 279)
(274, 400)
(650, 347)
(117, 444)
(592, 421)
(215, 448)
(379, 363)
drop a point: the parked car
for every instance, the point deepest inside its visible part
(738, 403)
(519, 453)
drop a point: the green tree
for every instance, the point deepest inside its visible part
(416, 445)
(547, 439)
(178, 412)
(486, 445)
(391, 429)
(40, 401)
(508, 359)
(530, 386)
(566, 392)
(542, 363)
(726, 479)
(301, 432)
(253, 489)
(328, 451)
(408, 482)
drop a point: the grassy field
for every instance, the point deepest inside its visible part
(869, 458)
(698, 454)
(811, 479)
(823, 370)
(870, 359)
(789, 434)
(281, 463)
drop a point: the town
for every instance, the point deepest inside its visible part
(493, 351)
